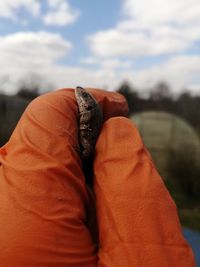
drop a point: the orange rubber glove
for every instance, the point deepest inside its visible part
(43, 196)
(138, 222)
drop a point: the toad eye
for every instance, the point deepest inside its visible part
(89, 107)
(85, 94)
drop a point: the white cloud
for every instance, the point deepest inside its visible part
(34, 56)
(30, 47)
(117, 42)
(8, 8)
(60, 13)
(154, 12)
(180, 72)
(55, 3)
(28, 52)
(25, 56)
(151, 28)
(113, 63)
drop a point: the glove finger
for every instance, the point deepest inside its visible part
(138, 221)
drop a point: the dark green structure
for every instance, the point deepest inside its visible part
(164, 135)
(11, 108)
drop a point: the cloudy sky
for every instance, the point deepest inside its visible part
(65, 43)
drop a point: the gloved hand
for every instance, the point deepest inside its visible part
(43, 196)
(137, 218)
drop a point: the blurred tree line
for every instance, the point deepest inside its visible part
(161, 98)
(28, 94)
(11, 109)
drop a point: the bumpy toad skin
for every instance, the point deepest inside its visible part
(90, 121)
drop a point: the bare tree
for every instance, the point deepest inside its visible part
(130, 94)
(161, 91)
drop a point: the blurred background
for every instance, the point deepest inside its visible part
(147, 50)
